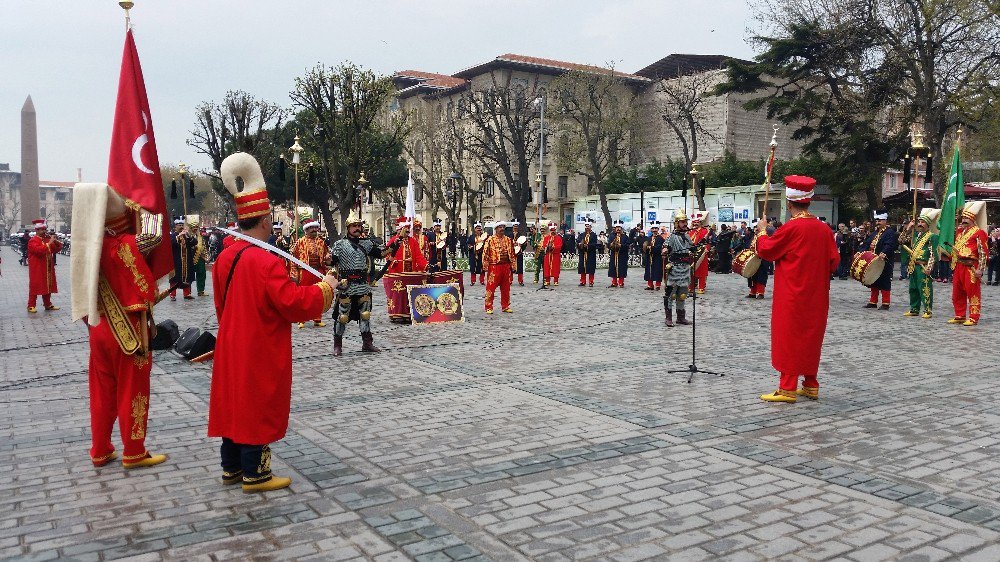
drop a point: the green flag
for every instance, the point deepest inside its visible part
(954, 202)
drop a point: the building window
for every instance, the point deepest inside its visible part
(563, 187)
(489, 186)
(60, 196)
(41, 195)
(590, 186)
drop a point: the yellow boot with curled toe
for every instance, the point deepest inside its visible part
(148, 460)
(779, 396)
(809, 392)
(275, 483)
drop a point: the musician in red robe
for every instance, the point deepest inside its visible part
(228, 239)
(311, 249)
(407, 256)
(968, 258)
(699, 235)
(114, 290)
(552, 262)
(42, 267)
(256, 303)
(804, 256)
(498, 260)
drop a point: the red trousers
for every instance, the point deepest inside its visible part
(874, 297)
(791, 382)
(699, 282)
(187, 292)
(119, 390)
(482, 278)
(966, 290)
(499, 276)
(757, 289)
(584, 276)
(33, 300)
(617, 281)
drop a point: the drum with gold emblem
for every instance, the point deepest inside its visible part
(746, 263)
(396, 295)
(867, 267)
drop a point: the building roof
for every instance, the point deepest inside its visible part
(45, 183)
(413, 82)
(672, 66)
(973, 192)
(540, 65)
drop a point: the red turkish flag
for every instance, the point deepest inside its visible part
(134, 169)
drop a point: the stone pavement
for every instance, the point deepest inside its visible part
(554, 433)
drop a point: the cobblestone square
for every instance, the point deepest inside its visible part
(555, 433)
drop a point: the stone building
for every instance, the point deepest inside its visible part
(434, 152)
(728, 126)
(55, 202)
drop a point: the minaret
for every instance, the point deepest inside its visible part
(29, 164)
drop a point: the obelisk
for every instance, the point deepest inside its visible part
(29, 164)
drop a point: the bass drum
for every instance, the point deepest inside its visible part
(746, 263)
(867, 267)
(519, 243)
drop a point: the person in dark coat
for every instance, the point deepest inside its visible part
(883, 241)
(184, 244)
(618, 249)
(653, 258)
(586, 249)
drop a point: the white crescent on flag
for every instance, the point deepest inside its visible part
(138, 145)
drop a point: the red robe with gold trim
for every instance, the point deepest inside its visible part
(408, 256)
(970, 253)
(252, 371)
(313, 251)
(42, 265)
(553, 257)
(697, 235)
(120, 360)
(804, 256)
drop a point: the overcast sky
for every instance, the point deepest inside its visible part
(67, 54)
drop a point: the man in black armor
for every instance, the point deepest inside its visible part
(353, 256)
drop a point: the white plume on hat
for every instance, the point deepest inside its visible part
(310, 224)
(90, 208)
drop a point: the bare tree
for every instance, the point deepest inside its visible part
(344, 114)
(498, 126)
(10, 207)
(435, 152)
(240, 123)
(685, 100)
(595, 114)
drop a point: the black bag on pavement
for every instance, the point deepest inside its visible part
(193, 343)
(166, 334)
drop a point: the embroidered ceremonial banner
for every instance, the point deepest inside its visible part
(431, 304)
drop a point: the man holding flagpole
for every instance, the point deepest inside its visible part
(117, 259)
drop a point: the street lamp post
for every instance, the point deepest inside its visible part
(182, 170)
(296, 150)
(453, 187)
(540, 101)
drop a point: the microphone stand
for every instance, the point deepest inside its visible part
(693, 367)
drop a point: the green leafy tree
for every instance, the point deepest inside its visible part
(347, 128)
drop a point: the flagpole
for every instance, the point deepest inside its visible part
(768, 168)
(127, 5)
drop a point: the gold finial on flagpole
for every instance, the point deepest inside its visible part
(127, 5)
(958, 136)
